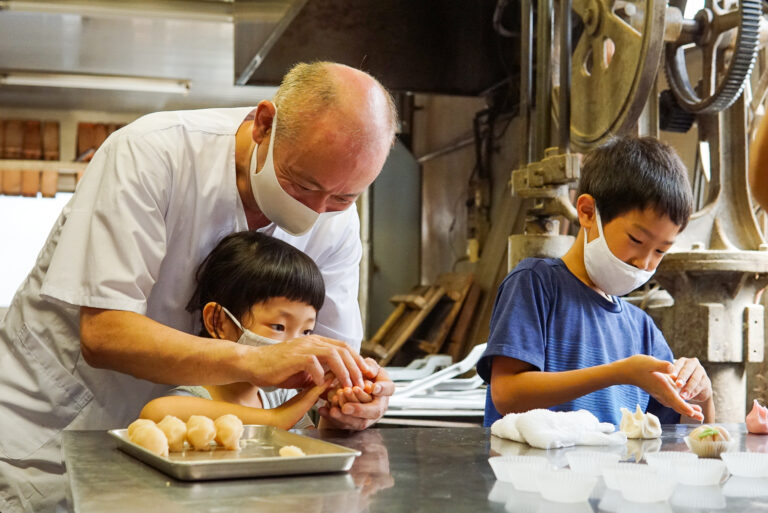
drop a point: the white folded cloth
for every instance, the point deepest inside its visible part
(548, 429)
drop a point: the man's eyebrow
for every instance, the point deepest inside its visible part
(648, 234)
(314, 183)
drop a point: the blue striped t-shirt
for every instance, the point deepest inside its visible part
(545, 316)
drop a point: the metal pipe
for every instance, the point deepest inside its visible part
(526, 77)
(543, 123)
(445, 150)
(565, 76)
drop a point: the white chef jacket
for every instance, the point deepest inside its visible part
(155, 200)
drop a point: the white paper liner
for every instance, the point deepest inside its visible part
(746, 464)
(565, 486)
(705, 449)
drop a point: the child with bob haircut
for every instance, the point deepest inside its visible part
(258, 290)
(562, 339)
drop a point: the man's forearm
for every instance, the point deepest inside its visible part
(535, 389)
(137, 345)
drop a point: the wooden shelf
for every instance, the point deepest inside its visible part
(67, 170)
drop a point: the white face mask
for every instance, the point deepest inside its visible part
(606, 270)
(281, 208)
(248, 337)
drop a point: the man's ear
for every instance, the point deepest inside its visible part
(213, 319)
(262, 121)
(585, 208)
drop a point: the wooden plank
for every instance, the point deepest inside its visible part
(49, 183)
(32, 146)
(411, 322)
(414, 301)
(12, 182)
(458, 339)
(492, 267)
(457, 286)
(375, 341)
(14, 136)
(85, 142)
(30, 183)
(51, 140)
(100, 134)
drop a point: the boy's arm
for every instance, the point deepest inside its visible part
(283, 417)
(517, 386)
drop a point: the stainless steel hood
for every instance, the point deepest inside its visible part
(189, 40)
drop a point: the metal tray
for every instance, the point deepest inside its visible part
(258, 456)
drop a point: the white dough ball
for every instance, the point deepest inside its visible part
(150, 437)
(175, 431)
(200, 432)
(137, 423)
(229, 429)
(291, 451)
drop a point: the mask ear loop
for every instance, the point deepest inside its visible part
(232, 318)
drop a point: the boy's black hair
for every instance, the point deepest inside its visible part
(248, 267)
(629, 173)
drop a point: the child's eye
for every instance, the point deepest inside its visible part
(277, 327)
(636, 241)
(308, 332)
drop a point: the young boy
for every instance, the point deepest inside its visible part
(258, 290)
(561, 338)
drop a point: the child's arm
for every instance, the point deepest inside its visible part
(516, 386)
(284, 416)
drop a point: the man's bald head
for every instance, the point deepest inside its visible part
(346, 101)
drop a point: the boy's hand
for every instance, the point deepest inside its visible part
(692, 380)
(654, 376)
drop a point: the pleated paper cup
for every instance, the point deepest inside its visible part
(706, 449)
(590, 463)
(746, 464)
(565, 486)
(701, 472)
(522, 471)
(645, 485)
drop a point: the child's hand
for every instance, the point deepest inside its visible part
(691, 380)
(340, 396)
(655, 377)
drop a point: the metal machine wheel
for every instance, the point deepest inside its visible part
(614, 66)
(726, 32)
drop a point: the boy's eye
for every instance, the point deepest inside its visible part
(277, 327)
(308, 332)
(636, 241)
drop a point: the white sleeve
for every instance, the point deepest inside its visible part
(114, 237)
(339, 318)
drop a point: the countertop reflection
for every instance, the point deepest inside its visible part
(400, 469)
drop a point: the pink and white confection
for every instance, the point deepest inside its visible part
(757, 419)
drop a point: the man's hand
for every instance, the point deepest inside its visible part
(357, 415)
(293, 363)
(692, 380)
(656, 377)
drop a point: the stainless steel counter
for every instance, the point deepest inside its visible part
(408, 469)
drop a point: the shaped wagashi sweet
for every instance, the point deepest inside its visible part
(639, 424)
(175, 431)
(200, 432)
(757, 419)
(709, 441)
(151, 438)
(229, 429)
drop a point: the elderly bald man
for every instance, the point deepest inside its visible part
(100, 325)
